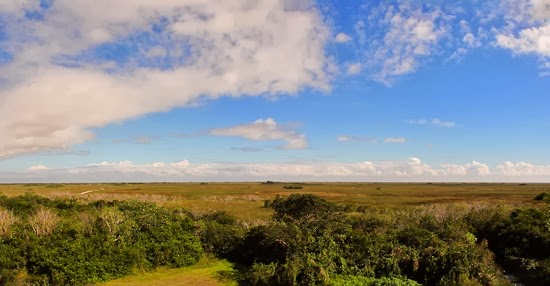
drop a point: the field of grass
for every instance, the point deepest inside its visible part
(246, 200)
(208, 272)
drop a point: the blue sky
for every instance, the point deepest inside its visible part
(184, 90)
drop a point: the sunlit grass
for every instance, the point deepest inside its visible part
(245, 200)
(208, 272)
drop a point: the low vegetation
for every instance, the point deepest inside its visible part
(306, 240)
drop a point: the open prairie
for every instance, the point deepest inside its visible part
(246, 200)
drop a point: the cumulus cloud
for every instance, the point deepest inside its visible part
(520, 169)
(265, 130)
(472, 169)
(342, 38)
(395, 140)
(60, 82)
(534, 40)
(412, 169)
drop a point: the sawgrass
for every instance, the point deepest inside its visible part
(246, 200)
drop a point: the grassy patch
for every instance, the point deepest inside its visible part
(208, 272)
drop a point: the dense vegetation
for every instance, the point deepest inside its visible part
(309, 241)
(62, 242)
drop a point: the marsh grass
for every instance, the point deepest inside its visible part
(245, 200)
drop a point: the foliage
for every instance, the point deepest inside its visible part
(350, 280)
(309, 241)
(221, 234)
(545, 196)
(65, 243)
(522, 243)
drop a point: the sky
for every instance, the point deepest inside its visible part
(329, 90)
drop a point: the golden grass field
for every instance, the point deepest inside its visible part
(246, 200)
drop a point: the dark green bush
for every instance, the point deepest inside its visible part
(94, 242)
(543, 197)
(371, 281)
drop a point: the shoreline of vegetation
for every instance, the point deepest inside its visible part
(307, 241)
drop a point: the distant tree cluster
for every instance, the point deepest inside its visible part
(293, 187)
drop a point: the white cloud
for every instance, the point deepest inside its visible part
(342, 38)
(470, 169)
(469, 39)
(434, 121)
(441, 123)
(18, 7)
(396, 140)
(354, 68)
(522, 169)
(344, 138)
(265, 130)
(52, 96)
(411, 35)
(417, 121)
(527, 29)
(534, 40)
(355, 138)
(540, 9)
(410, 170)
(37, 167)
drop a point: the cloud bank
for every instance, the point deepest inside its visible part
(410, 170)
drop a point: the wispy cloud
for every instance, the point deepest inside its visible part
(373, 140)
(353, 68)
(141, 139)
(37, 168)
(265, 130)
(434, 121)
(355, 138)
(247, 149)
(395, 140)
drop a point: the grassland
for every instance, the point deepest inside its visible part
(246, 200)
(208, 272)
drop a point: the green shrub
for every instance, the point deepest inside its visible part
(370, 281)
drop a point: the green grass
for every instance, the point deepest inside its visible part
(206, 273)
